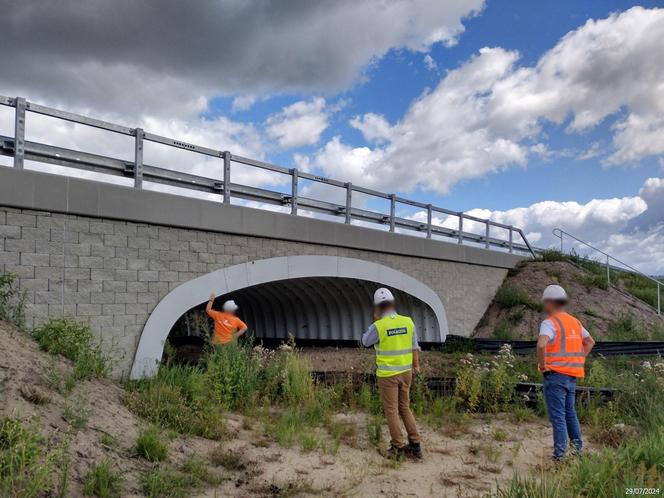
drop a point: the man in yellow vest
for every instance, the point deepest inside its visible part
(562, 347)
(397, 357)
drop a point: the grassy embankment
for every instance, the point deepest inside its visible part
(277, 390)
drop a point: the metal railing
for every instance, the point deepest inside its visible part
(22, 150)
(561, 234)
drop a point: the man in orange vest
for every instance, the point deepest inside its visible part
(227, 326)
(562, 348)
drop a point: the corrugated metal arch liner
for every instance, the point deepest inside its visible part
(232, 278)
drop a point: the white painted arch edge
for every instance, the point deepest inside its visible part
(232, 278)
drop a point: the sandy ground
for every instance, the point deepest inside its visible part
(459, 460)
(595, 307)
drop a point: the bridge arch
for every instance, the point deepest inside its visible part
(304, 272)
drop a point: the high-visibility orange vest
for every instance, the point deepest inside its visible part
(565, 354)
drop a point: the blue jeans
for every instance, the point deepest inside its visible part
(559, 395)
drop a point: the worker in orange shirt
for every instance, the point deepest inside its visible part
(227, 326)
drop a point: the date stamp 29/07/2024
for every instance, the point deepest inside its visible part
(643, 491)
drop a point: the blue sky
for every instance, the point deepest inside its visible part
(393, 82)
(537, 114)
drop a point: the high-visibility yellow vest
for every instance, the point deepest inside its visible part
(394, 351)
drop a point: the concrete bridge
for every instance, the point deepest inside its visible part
(132, 261)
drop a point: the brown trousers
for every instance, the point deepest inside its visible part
(395, 396)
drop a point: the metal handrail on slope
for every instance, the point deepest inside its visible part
(20, 149)
(560, 233)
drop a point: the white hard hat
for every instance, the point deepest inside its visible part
(230, 306)
(554, 293)
(383, 295)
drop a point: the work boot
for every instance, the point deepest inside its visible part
(396, 452)
(414, 450)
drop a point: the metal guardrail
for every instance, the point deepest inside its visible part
(561, 234)
(21, 150)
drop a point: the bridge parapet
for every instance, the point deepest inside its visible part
(458, 226)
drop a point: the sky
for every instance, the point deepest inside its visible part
(536, 114)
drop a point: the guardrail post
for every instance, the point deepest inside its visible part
(460, 234)
(393, 205)
(511, 239)
(429, 216)
(486, 236)
(608, 271)
(659, 305)
(293, 191)
(19, 132)
(349, 200)
(138, 157)
(227, 177)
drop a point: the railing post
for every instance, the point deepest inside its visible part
(429, 216)
(138, 157)
(19, 133)
(511, 239)
(486, 236)
(460, 228)
(227, 177)
(659, 303)
(349, 200)
(393, 205)
(293, 191)
(608, 271)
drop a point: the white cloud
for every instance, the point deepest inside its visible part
(485, 115)
(374, 127)
(243, 102)
(430, 63)
(298, 124)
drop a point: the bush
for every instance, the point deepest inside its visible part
(151, 445)
(232, 376)
(25, 466)
(102, 481)
(593, 281)
(73, 340)
(625, 328)
(486, 386)
(509, 296)
(12, 301)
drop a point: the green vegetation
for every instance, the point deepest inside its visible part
(151, 445)
(629, 428)
(102, 481)
(12, 301)
(486, 386)
(26, 466)
(73, 340)
(76, 413)
(508, 296)
(164, 482)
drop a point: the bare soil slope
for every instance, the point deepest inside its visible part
(459, 460)
(597, 308)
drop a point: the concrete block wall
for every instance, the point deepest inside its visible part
(113, 273)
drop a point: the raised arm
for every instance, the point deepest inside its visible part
(208, 308)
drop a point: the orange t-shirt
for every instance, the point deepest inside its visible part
(225, 325)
